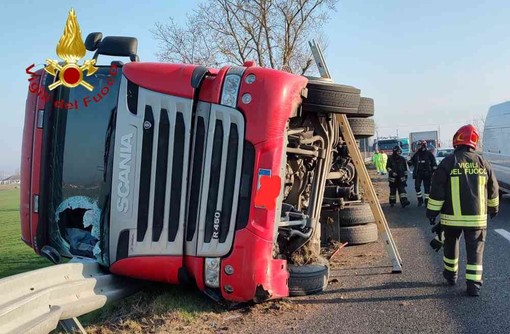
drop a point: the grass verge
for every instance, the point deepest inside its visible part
(15, 256)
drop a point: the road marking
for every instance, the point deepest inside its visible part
(504, 233)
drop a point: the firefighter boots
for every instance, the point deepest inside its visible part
(451, 281)
(473, 290)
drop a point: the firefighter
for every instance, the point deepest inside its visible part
(397, 176)
(424, 164)
(384, 161)
(376, 160)
(464, 190)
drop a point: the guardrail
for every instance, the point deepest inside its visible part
(35, 301)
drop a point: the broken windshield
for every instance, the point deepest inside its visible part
(79, 187)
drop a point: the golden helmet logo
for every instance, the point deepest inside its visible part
(71, 48)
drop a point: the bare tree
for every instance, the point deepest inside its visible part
(274, 33)
(479, 123)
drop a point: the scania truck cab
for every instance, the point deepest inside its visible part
(154, 173)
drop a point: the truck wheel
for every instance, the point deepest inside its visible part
(307, 279)
(358, 234)
(362, 127)
(366, 107)
(327, 97)
(355, 215)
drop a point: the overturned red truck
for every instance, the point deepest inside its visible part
(156, 179)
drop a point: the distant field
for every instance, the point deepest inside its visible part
(15, 256)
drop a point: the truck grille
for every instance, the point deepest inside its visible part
(164, 163)
(214, 191)
(185, 175)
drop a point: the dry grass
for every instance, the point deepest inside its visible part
(158, 308)
(9, 186)
(170, 309)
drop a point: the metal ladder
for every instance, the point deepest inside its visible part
(359, 163)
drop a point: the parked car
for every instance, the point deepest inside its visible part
(496, 136)
(443, 153)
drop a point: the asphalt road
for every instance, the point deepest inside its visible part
(364, 297)
(418, 300)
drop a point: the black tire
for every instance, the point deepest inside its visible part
(362, 127)
(366, 107)
(328, 97)
(358, 234)
(308, 279)
(355, 215)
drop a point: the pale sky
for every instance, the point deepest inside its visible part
(428, 64)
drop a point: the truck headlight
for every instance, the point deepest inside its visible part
(212, 272)
(230, 90)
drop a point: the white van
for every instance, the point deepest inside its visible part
(496, 143)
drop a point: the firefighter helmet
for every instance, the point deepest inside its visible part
(397, 150)
(466, 135)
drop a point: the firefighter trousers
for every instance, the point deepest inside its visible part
(475, 242)
(401, 188)
(426, 187)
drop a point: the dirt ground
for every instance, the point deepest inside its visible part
(260, 318)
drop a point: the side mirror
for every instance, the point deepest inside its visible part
(92, 41)
(118, 46)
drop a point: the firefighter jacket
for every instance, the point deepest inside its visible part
(396, 164)
(424, 163)
(464, 189)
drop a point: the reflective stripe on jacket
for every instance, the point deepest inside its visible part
(464, 189)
